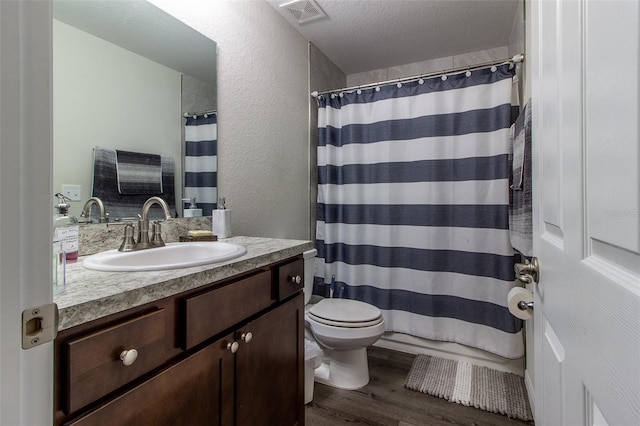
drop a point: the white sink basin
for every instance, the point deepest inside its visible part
(171, 256)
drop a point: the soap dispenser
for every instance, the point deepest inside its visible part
(192, 210)
(221, 220)
(66, 229)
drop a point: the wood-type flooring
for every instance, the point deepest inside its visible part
(386, 402)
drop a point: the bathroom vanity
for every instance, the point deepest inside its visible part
(216, 344)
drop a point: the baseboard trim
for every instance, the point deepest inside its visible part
(457, 352)
(528, 383)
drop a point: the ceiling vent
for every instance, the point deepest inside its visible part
(304, 11)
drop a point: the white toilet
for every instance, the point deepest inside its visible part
(343, 328)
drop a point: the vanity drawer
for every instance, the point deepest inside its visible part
(290, 278)
(208, 314)
(93, 364)
(195, 391)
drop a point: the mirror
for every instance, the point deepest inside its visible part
(124, 72)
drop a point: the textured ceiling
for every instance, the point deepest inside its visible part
(364, 35)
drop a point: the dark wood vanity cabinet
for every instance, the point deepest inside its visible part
(193, 391)
(270, 368)
(226, 354)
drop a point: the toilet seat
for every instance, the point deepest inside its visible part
(346, 324)
(345, 313)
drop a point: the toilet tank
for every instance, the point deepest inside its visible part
(309, 266)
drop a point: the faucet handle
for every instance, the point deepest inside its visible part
(156, 234)
(128, 243)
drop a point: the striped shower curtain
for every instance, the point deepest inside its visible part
(201, 161)
(413, 206)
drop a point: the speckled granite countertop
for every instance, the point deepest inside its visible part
(94, 294)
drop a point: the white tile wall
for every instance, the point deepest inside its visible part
(424, 67)
(482, 56)
(432, 65)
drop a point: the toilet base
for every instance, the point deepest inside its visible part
(345, 370)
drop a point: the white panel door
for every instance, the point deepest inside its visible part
(585, 106)
(26, 202)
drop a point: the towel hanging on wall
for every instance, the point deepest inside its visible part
(138, 173)
(520, 207)
(105, 186)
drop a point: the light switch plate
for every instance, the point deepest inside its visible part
(73, 192)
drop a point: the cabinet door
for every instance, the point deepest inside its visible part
(195, 391)
(270, 368)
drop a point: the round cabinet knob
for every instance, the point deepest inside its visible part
(246, 337)
(233, 347)
(128, 356)
(296, 280)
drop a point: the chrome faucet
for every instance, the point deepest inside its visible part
(86, 210)
(143, 242)
(150, 202)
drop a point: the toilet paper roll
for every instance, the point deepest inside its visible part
(516, 295)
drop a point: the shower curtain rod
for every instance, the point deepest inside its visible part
(191, 114)
(514, 60)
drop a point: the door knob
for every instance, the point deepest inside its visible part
(128, 356)
(528, 272)
(233, 347)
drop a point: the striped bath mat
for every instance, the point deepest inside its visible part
(470, 385)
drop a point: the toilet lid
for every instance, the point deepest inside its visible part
(345, 313)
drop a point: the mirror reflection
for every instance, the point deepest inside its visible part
(125, 73)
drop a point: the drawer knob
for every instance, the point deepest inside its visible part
(246, 337)
(233, 347)
(296, 280)
(128, 356)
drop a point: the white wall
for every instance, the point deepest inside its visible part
(107, 96)
(516, 46)
(263, 113)
(517, 38)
